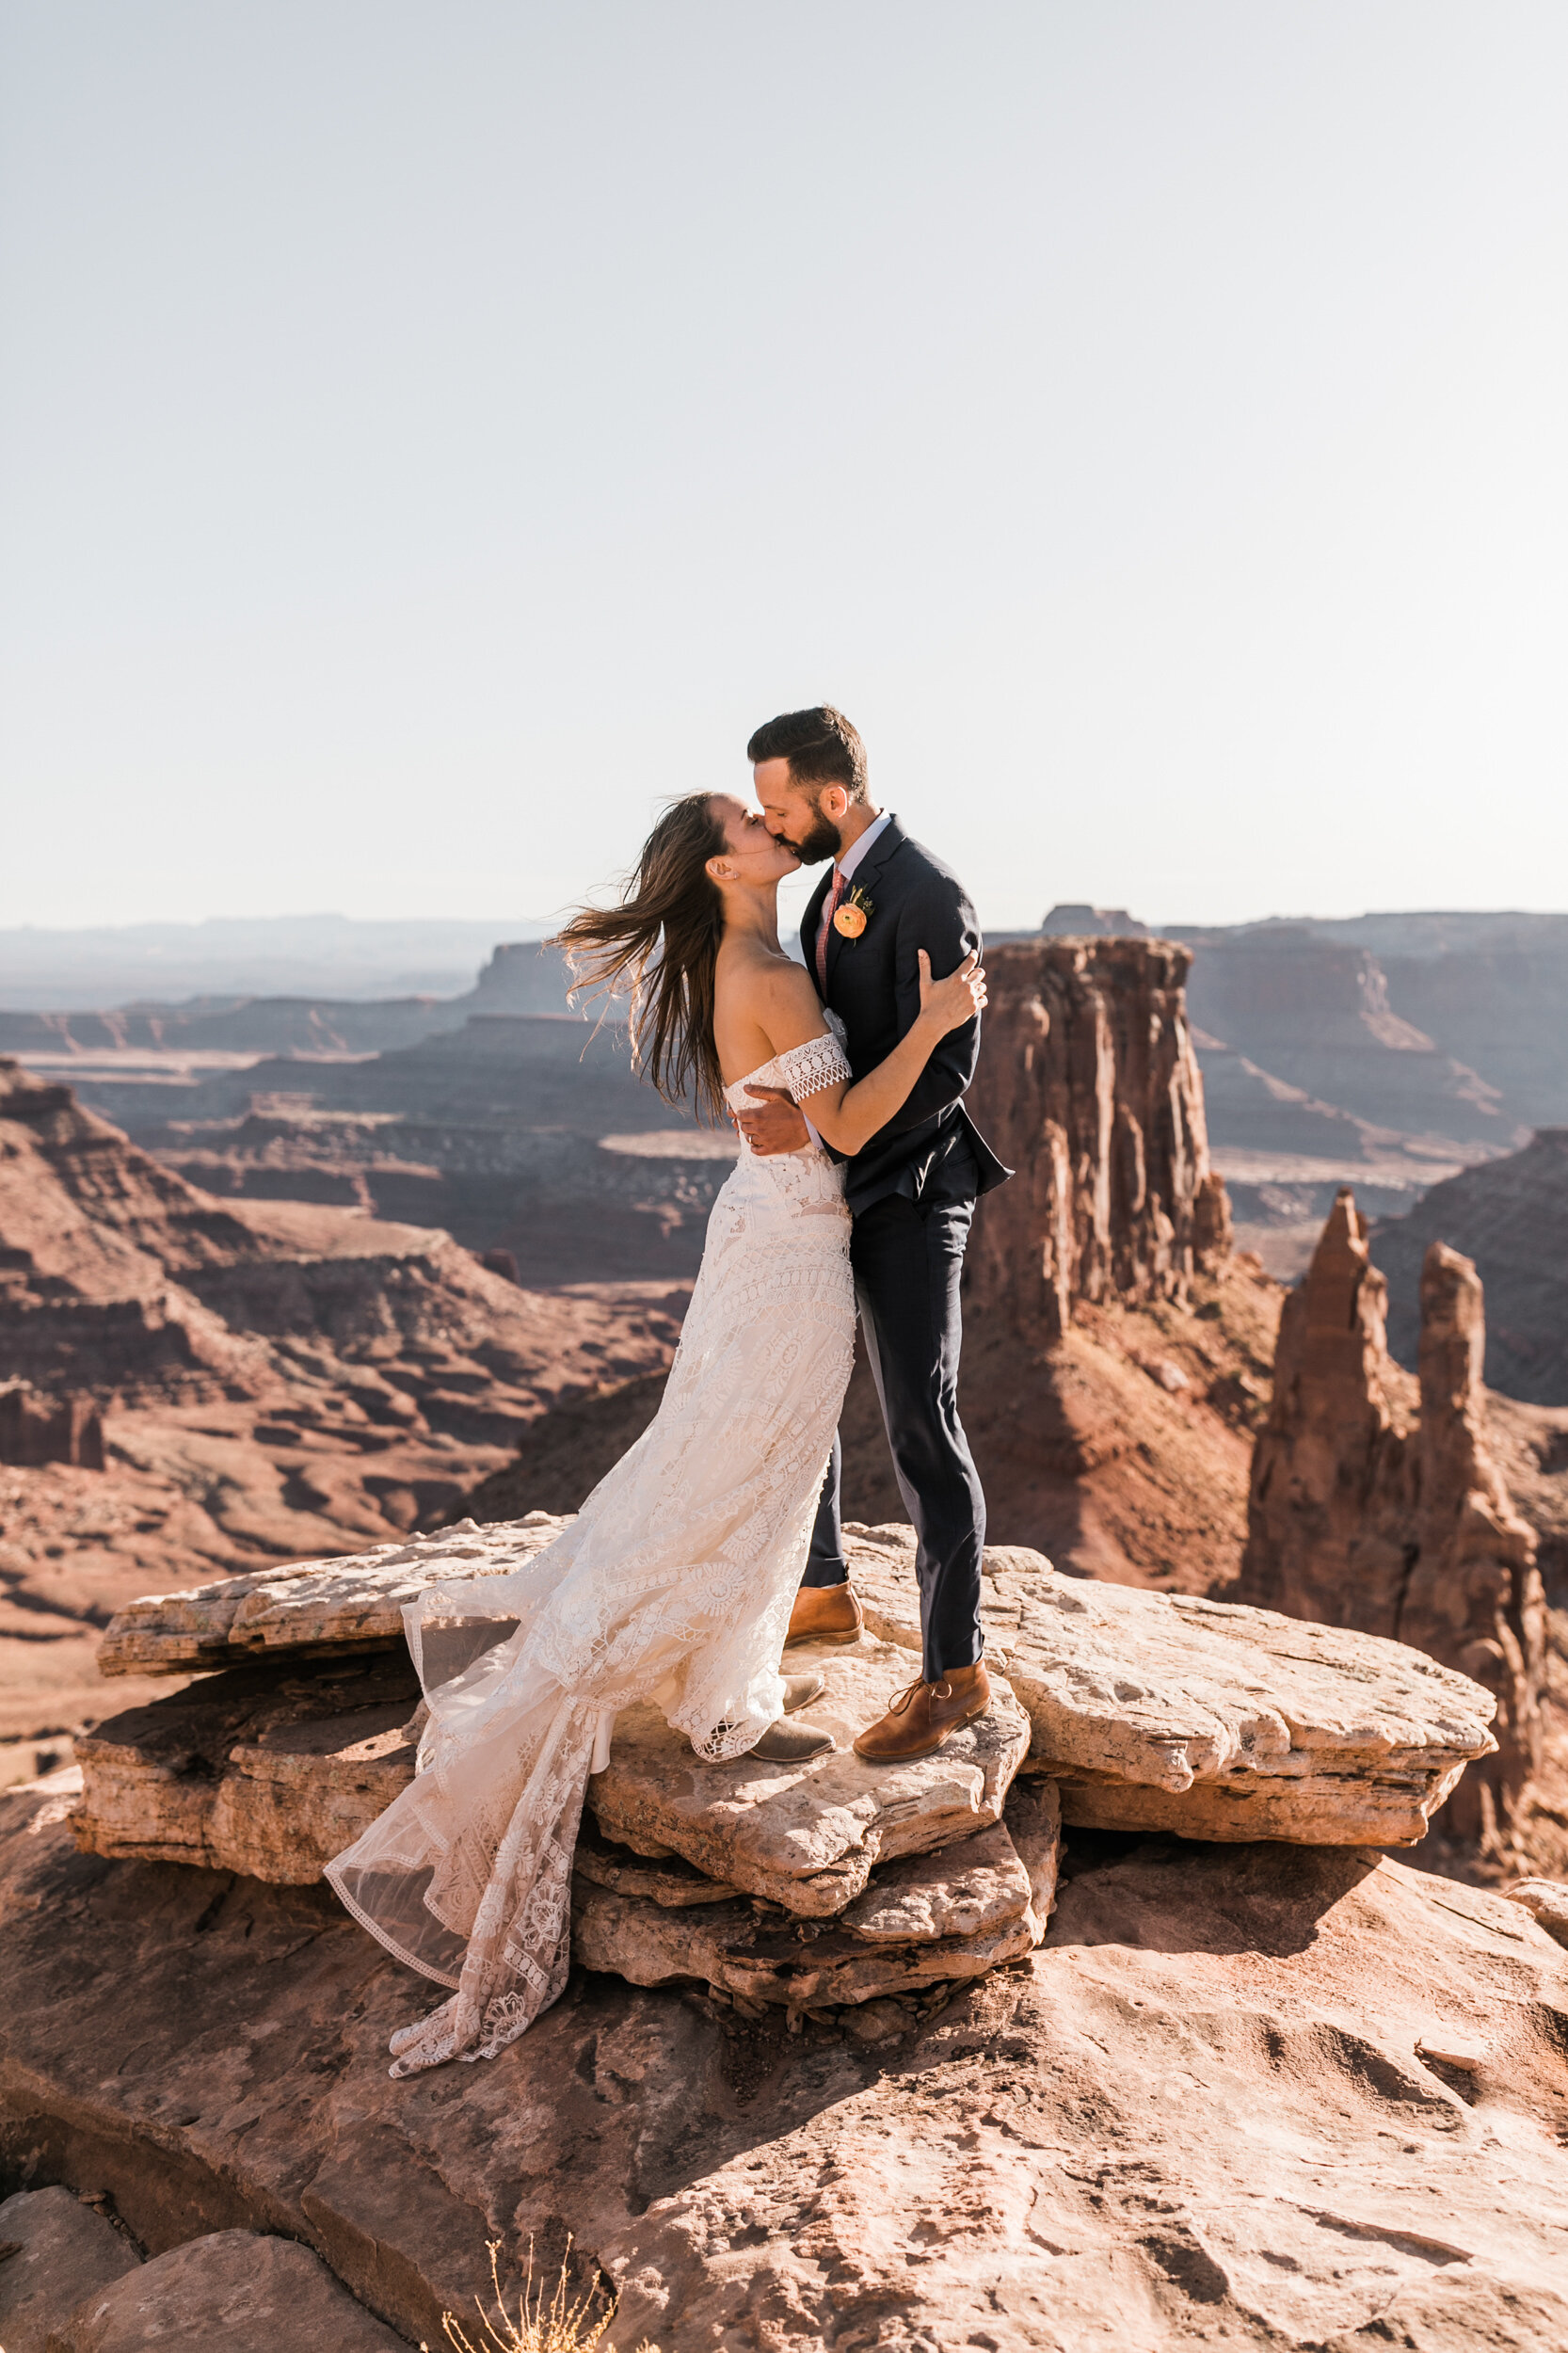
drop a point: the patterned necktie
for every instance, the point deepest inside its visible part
(829, 911)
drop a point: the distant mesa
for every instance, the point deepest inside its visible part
(521, 977)
(1392, 1051)
(1389, 1051)
(1071, 921)
(334, 957)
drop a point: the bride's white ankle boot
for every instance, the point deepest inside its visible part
(792, 1744)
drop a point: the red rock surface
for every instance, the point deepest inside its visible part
(1259, 2095)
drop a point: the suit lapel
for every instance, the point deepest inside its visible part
(887, 841)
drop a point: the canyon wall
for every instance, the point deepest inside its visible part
(1376, 1504)
(1089, 1089)
(1316, 1013)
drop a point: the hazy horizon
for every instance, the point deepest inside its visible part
(337, 958)
(432, 438)
(523, 926)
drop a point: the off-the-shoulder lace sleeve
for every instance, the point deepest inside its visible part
(820, 1062)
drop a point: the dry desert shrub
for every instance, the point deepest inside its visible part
(558, 2328)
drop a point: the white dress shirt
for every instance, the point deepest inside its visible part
(856, 849)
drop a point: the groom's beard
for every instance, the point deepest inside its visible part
(822, 840)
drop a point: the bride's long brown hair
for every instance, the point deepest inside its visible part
(659, 949)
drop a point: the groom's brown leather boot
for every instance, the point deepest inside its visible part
(920, 1718)
(826, 1613)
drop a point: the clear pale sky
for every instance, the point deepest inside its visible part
(432, 433)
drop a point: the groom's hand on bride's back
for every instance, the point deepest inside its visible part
(771, 1122)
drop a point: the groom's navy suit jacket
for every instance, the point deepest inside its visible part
(873, 986)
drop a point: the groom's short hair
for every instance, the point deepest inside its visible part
(820, 746)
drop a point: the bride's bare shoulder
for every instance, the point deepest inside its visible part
(771, 989)
(788, 1004)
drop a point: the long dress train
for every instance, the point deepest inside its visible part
(674, 1584)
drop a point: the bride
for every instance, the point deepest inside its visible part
(674, 1584)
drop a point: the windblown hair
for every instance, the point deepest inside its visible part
(820, 746)
(659, 949)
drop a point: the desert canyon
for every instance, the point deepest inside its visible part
(1214, 1989)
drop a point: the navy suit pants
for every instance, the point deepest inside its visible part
(908, 1258)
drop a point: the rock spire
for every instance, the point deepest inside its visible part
(1375, 1504)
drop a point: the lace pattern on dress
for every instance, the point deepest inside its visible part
(820, 1062)
(673, 1585)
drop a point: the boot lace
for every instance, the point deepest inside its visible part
(901, 1700)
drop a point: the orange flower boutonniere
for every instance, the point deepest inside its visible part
(853, 916)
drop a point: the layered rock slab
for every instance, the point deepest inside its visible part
(667, 1881)
(315, 1608)
(1197, 2108)
(928, 1919)
(808, 1835)
(271, 1770)
(1167, 1711)
(1156, 1712)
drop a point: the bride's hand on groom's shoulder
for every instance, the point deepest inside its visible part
(949, 1004)
(771, 1122)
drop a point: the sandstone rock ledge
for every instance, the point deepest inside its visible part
(271, 1770)
(696, 1874)
(1165, 1711)
(313, 1608)
(927, 1921)
(806, 1836)
(821, 1885)
(1156, 1711)
(1197, 2114)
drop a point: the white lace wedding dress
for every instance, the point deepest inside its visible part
(674, 1584)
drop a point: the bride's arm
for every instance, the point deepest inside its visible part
(849, 1113)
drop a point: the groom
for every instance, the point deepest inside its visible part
(912, 1190)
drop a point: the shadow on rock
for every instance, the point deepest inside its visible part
(1182, 1896)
